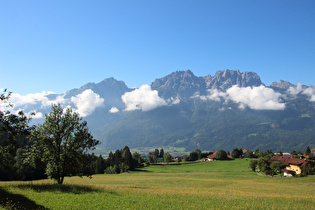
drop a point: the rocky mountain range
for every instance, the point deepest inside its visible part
(228, 110)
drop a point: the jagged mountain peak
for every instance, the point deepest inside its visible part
(185, 83)
(282, 84)
(179, 83)
(225, 79)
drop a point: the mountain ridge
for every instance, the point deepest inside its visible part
(227, 110)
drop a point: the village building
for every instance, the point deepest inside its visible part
(212, 157)
(293, 166)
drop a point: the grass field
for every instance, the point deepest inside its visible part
(209, 185)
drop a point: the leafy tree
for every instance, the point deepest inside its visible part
(279, 153)
(308, 152)
(117, 158)
(250, 154)
(63, 141)
(168, 157)
(221, 155)
(152, 159)
(307, 169)
(253, 164)
(156, 153)
(294, 153)
(161, 152)
(206, 154)
(236, 153)
(263, 164)
(241, 152)
(127, 159)
(100, 165)
(199, 153)
(14, 131)
(137, 159)
(193, 156)
(277, 166)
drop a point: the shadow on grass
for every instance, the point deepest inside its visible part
(64, 188)
(141, 170)
(15, 201)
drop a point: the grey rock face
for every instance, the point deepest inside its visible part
(282, 84)
(225, 79)
(185, 83)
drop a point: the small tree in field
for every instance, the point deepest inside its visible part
(62, 142)
(167, 157)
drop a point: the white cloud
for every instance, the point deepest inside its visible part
(216, 95)
(59, 100)
(295, 90)
(260, 98)
(41, 98)
(143, 98)
(87, 102)
(310, 91)
(113, 110)
(173, 101)
(19, 100)
(38, 115)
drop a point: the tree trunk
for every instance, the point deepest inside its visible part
(60, 179)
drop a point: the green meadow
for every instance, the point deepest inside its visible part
(206, 185)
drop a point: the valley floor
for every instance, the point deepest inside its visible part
(208, 185)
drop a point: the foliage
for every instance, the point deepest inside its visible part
(294, 153)
(168, 157)
(161, 152)
(253, 164)
(14, 132)
(122, 161)
(221, 155)
(263, 164)
(152, 159)
(237, 153)
(100, 165)
(250, 154)
(276, 167)
(194, 155)
(308, 153)
(63, 142)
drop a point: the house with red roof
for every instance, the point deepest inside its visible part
(244, 152)
(293, 166)
(212, 156)
(280, 158)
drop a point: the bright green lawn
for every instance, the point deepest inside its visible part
(208, 185)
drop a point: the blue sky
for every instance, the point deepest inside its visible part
(59, 45)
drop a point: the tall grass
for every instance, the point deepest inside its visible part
(177, 187)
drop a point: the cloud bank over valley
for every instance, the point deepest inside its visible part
(145, 99)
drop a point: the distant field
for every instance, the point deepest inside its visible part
(235, 165)
(210, 185)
